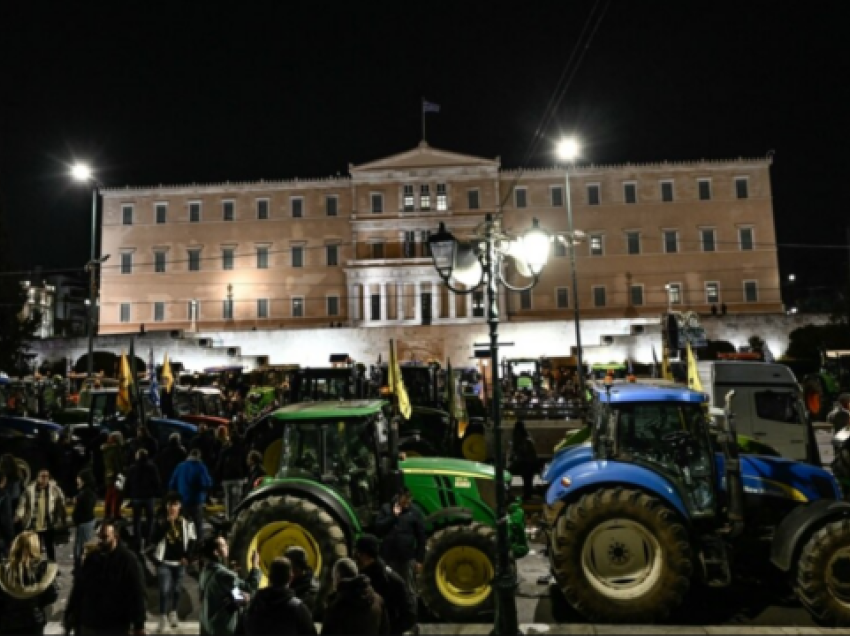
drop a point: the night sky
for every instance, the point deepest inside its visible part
(153, 93)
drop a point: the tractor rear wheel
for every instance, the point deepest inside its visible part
(621, 556)
(271, 525)
(457, 574)
(474, 445)
(823, 576)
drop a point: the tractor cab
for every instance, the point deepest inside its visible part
(318, 384)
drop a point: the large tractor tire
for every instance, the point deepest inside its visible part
(823, 575)
(25, 471)
(272, 525)
(473, 446)
(457, 575)
(621, 556)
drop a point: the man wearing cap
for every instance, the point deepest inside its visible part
(353, 607)
(398, 598)
(303, 583)
(840, 415)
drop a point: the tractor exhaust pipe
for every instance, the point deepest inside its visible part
(732, 463)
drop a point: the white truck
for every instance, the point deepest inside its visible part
(768, 404)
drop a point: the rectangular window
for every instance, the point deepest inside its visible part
(525, 299)
(426, 246)
(478, 304)
(333, 305)
(442, 197)
(263, 209)
(751, 291)
(593, 196)
(194, 260)
(227, 213)
(424, 197)
(712, 292)
(745, 238)
(298, 307)
(630, 192)
(159, 262)
(707, 240)
(667, 191)
(227, 258)
(377, 250)
(126, 263)
(636, 294)
(408, 246)
(562, 297)
(598, 296)
(297, 207)
(331, 203)
(262, 308)
(195, 212)
(521, 197)
(704, 189)
(557, 193)
(633, 242)
(125, 312)
(671, 241)
(377, 203)
(742, 188)
(560, 248)
(472, 198)
(262, 258)
(159, 311)
(596, 246)
(161, 213)
(297, 256)
(408, 198)
(127, 214)
(375, 306)
(674, 293)
(332, 255)
(227, 309)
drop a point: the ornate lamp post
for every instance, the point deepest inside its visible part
(477, 263)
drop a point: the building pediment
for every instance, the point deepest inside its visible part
(424, 157)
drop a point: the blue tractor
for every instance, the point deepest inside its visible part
(657, 501)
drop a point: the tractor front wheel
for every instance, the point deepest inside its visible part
(621, 556)
(473, 446)
(271, 525)
(823, 576)
(457, 574)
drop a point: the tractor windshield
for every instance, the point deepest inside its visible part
(302, 455)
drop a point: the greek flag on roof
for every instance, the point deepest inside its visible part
(430, 107)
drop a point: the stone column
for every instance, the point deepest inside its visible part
(435, 301)
(383, 291)
(399, 301)
(353, 308)
(452, 304)
(469, 303)
(417, 302)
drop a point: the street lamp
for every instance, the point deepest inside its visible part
(81, 172)
(568, 150)
(488, 250)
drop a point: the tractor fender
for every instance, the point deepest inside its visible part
(799, 525)
(592, 475)
(331, 501)
(452, 516)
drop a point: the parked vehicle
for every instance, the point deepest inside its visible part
(36, 444)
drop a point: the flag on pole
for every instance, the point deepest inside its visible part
(153, 391)
(430, 107)
(693, 374)
(167, 376)
(397, 384)
(666, 372)
(454, 401)
(654, 363)
(124, 404)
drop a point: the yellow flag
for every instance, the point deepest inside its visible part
(397, 384)
(666, 373)
(693, 374)
(167, 375)
(124, 381)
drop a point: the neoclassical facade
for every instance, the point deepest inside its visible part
(353, 250)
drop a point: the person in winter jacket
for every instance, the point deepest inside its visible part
(27, 586)
(403, 530)
(206, 443)
(230, 472)
(173, 538)
(108, 596)
(192, 480)
(83, 515)
(220, 606)
(353, 607)
(276, 609)
(304, 583)
(42, 510)
(399, 600)
(256, 471)
(94, 449)
(145, 441)
(113, 473)
(522, 459)
(170, 457)
(141, 488)
(14, 478)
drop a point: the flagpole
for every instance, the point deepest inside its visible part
(422, 108)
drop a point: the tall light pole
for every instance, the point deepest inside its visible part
(81, 172)
(568, 150)
(480, 263)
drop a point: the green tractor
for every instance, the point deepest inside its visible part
(339, 464)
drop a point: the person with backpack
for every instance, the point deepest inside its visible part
(193, 481)
(399, 599)
(142, 487)
(276, 609)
